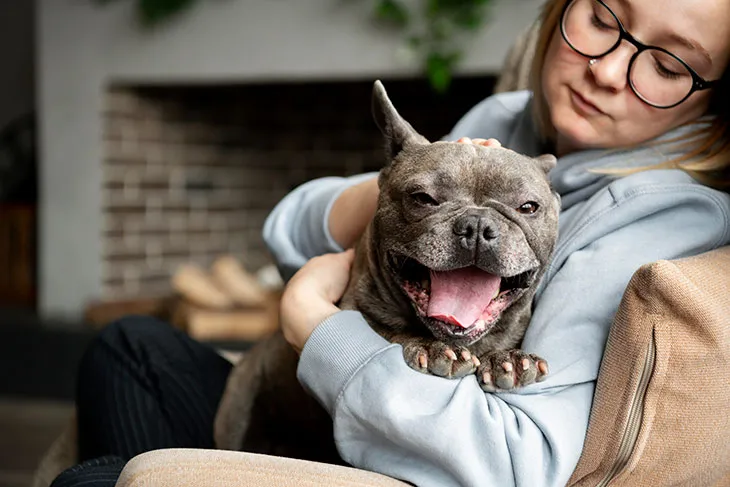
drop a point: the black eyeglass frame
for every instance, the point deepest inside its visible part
(698, 82)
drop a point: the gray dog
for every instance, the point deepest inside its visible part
(447, 268)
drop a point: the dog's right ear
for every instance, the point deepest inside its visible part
(398, 133)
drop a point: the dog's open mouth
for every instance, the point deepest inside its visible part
(461, 303)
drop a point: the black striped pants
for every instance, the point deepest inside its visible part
(142, 386)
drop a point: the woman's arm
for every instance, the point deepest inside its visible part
(299, 226)
(432, 431)
(352, 211)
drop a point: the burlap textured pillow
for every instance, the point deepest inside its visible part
(661, 412)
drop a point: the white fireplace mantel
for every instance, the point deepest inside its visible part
(83, 47)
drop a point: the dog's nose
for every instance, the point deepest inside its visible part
(474, 229)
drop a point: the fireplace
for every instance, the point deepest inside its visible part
(191, 172)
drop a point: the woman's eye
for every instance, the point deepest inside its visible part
(424, 199)
(599, 23)
(665, 72)
(528, 208)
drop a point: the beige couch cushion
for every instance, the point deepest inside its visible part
(218, 468)
(661, 412)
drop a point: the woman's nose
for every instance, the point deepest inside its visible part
(610, 71)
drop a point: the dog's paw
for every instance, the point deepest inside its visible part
(440, 359)
(506, 370)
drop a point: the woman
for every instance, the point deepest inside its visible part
(626, 93)
(596, 87)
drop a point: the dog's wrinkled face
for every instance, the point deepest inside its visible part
(476, 226)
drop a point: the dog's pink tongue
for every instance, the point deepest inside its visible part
(459, 297)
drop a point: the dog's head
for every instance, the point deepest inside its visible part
(463, 230)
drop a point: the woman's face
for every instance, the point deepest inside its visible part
(593, 106)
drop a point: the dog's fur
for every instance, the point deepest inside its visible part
(442, 206)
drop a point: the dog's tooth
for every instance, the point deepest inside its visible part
(496, 293)
(481, 324)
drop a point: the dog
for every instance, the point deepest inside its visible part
(447, 268)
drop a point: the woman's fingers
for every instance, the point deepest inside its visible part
(483, 142)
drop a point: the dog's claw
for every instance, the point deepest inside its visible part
(487, 385)
(450, 353)
(423, 360)
(507, 367)
(475, 361)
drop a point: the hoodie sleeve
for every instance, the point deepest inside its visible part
(431, 431)
(436, 432)
(297, 230)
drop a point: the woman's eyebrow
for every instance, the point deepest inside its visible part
(692, 45)
(688, 43)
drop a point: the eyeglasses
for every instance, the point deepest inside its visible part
(656, 76)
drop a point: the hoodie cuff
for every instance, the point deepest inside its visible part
(334, 352)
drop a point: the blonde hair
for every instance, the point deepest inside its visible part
(706, 150)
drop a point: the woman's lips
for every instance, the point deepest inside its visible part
(584, 106)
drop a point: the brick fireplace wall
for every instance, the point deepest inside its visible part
(190, 173)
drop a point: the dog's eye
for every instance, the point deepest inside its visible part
(528, 208)
(424, 199)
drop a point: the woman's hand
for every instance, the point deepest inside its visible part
(484, 142)
(311, 294)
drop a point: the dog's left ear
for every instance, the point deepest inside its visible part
(546, 162)
(398, 133)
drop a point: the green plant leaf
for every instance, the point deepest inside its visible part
(439, 68)
(415, 42)
(470, 19)
(153, 12)
(393, 12)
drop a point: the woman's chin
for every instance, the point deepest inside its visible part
(576, 133)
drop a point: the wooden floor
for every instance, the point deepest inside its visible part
(27, 429)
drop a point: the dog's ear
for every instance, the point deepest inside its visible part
(398, 133)
(546, 162)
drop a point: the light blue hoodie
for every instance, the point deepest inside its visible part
(438, 432)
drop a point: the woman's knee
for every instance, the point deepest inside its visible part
(130, 341)
(134, 329)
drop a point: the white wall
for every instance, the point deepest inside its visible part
(16, 59)
(83, 47)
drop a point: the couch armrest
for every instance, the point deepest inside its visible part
(219, 468)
